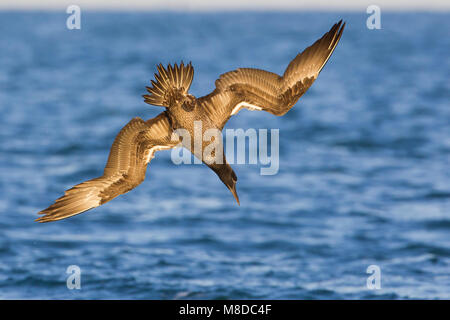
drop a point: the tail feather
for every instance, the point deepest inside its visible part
(170, 82)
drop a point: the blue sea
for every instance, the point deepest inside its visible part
(364, 174)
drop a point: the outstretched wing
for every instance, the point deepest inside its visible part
(171, 84)
(130, 153)
(256, 89)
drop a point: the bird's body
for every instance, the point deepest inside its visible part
(137, 142)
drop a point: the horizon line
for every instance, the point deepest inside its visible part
(225, 9)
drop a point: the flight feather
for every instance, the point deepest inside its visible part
(171, 83)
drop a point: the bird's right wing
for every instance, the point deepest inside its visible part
(256, 89)
(130, 153)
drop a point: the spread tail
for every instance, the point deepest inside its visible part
(170, 82)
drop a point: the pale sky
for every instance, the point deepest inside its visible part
(205, 5)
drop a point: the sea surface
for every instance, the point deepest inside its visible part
(364, 171)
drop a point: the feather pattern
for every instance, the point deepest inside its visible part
(125, 169)
(171, 83)
(256, 89)
(137, 142)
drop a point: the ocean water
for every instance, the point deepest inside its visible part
(364, 176)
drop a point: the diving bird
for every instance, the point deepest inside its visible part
(137, 142)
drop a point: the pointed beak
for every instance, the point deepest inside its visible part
(233, 191)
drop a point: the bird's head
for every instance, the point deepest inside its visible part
(228, 177)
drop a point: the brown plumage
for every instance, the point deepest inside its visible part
(171, 83)
(267, 90)
(130, 153)
(137, 142)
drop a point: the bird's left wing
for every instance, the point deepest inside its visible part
(130, 153)
(256, 89)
